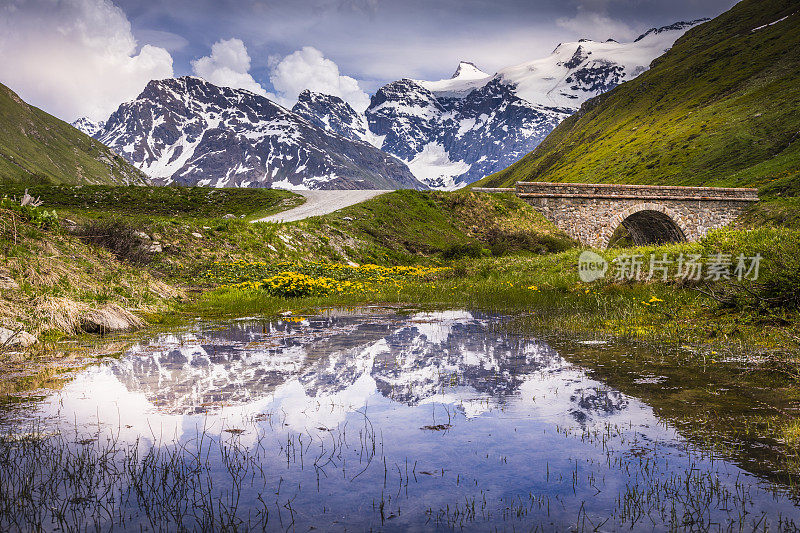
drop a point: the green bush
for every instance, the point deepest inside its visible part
(35, 215)
(117, 236)
(777, 286)
(503, 241)
(462, 250)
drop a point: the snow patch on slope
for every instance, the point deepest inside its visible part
(433, 167)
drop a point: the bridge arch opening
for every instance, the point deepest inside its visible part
(648, 225)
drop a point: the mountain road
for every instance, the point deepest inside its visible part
(321, 203)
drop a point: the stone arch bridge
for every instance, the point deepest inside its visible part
(652, 214)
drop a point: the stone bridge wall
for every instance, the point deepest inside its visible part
(591, 213)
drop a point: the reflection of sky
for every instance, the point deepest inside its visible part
(517, 412)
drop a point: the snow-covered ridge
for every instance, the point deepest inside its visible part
(577, 71)
(191, 132)
(466, 78)
(454, 131)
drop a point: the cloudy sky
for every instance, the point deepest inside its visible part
(84, 57)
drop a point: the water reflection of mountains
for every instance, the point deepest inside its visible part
(410, 360)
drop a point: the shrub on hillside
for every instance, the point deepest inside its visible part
(777, 287)
(462, 250)
(29, 212)
(502, 241)
(117, 236)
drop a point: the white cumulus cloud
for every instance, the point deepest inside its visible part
(75, 57)
(228, 66)
(307, 68)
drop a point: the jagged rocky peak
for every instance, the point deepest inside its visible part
(406, 115)
(333, 114)
(407, 91)
(88, 126)
(191, 132)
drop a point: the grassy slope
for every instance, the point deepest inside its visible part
(37, 148)
(181, 202)
(59, 275)
(400, 227)
(721, 108)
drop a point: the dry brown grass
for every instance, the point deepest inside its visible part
(63, 314)
(69, 286)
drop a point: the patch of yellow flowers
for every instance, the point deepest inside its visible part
(314, 278)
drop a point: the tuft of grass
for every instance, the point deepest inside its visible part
(791, 434)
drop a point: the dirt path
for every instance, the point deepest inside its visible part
(321, 203)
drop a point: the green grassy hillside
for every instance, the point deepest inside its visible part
(721, 108)
(170, 202)
(37, 148)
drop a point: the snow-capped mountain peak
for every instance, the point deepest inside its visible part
(466, 78)
(467, 70)
(88, 126)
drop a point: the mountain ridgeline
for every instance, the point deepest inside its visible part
(37, 148)
(721, 108)
(415, 134)
(187, 131)
(454, 131)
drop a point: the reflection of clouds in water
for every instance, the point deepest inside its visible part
(314, 374)
(328, 411)
(436, 327)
